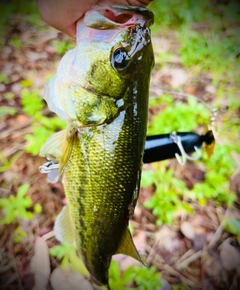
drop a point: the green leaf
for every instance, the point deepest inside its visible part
(37, 208)
(58, 251)
(7, 111)
(22, 190)
(31, 102)
(128, 276)
(232, 226)
(26, 83)
(148, 178)
(4, 202)
(114, 271)
(77, 264)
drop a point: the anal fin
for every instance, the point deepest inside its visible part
(128, 248)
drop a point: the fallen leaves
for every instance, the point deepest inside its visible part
(62, 280)
(229, 256)
(59, 279)
(188, 230)
(187, 250)
(40, 264)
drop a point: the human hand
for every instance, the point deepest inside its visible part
(64, 14)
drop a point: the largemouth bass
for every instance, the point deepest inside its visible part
(101, 90)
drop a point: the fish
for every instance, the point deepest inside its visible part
(101, 91)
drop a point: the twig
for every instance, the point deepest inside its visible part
(217, 235)
(14, 149)
(219, 230)
(8, 132)
(148, 228)
(185, 280)
(48, 235)
(184, 95)
(185, 256)
(16, 270)
(17, 134)
(198, 254)
(213, 219)
(189, 260)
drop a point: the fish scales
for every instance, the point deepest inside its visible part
(101, 91)
(101, 172)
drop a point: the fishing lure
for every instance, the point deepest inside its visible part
(167, 146)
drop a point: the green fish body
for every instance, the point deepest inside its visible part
(101, 90)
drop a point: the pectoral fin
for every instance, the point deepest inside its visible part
(64, 227)
(52, 149)
(128, 248)
(58, 148)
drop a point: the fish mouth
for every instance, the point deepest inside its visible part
(106, 21)
(117, 16)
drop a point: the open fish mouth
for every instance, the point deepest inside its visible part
(136, 20)
(117, 16)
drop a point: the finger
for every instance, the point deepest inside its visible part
(133, 2)
(63, 14)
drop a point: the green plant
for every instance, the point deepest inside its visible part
(7, 164)
(3, 79)
(118, 281)
(19, 235)
(10, 12)
(42, 127)
(178, 117)
(233, 227)
(147, 279)
(216, 186)
(174, 14)
(168, 196)
(144, 278)
(62, 46)
(15, 207)
(16, 42)
(41, 133)
(69, 257)
(7, 111)
(31, 102)
(209, 53)
(26, 83)
(179, 287)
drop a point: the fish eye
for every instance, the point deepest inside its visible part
(120, 59)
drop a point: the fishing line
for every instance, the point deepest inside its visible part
(213, 110)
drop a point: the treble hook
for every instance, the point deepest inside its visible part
(48, 167)
(176, 139)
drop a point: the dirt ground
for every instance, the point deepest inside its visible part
(195, 251)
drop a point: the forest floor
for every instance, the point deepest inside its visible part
(195, 251)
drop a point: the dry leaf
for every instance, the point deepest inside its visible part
(230, 256)
(214, 269)
(167, 239)
(128, 262)
(188, 230)
(177, 76)
(71, 280)
(140, 241)
(40, 264)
